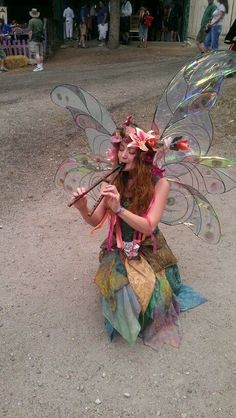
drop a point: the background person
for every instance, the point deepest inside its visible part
(5, 29)
(212, 37)
(2, 58)
(36, 36)
(231, 37)
(102, 21)
(156, 29)
(166, 22)
(143, 29)
(83, 25)
(68, 16)
(126, 12)
(206, 18)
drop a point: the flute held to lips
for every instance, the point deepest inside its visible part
(117, 169)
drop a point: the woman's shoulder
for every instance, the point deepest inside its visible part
(162, 183)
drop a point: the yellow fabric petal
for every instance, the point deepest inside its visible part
(142, 280)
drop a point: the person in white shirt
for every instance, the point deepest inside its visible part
(68, 15)
(126, 12)
(215, 25)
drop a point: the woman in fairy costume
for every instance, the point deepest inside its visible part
(138, 276)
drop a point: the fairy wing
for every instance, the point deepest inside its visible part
(186, 205)
(187, 202)
(94, 119)
(185, 104)
(194, 89)
(89, 115)
(81, 171)
(208, 175)
(184, 111)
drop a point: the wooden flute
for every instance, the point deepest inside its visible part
(117, 169)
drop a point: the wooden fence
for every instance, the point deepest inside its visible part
(16, 47)
(19, 47)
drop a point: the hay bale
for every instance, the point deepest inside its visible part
(16, 61)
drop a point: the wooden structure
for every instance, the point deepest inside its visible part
(134, 32)
(16, 47)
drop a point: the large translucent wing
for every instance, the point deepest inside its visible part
(208, 175)
(90, 115)
(185, 205)
(194, 91)
(82, 171)
(202, 70)
(197, 129)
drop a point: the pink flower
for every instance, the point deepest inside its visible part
(116, 139)
(159, 172)
(111, 154)
(140, 138)
(128, 120)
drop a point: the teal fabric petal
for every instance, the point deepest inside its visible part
(173, 277)
(118, 263)
(125, 317)
(109, 328)
(189, 298)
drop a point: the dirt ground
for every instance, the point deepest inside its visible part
(55, 358)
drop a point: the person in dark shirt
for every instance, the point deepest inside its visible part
(36, 37)
(102, 20)
(5, 29)
(83, 25)
(206, 18)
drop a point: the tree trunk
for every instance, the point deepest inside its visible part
(114, 24)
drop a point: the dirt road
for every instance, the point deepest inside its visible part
(55, 359)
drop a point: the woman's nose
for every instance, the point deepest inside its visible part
(124, 154)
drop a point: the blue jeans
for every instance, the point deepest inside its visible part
(143, 32)
(212, 38)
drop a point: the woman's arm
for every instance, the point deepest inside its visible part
(219, 18)
(140, 223)
(221, 15)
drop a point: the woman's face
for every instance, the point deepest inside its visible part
(127, 155)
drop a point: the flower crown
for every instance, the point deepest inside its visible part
(146, 141)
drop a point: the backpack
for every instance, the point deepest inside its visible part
(148, 20)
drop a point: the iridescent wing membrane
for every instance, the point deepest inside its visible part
(81, 171)
(93, 118)
(184, 111)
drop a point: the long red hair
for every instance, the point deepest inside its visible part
(143, 185)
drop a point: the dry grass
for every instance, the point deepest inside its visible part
(16, 61)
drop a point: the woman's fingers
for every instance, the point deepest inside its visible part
(111, 191)
(110, 194)
(79, 191)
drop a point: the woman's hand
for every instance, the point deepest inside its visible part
(113, 197)
(82, 202)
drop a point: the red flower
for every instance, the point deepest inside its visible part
(182, 145)
(152, 142)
